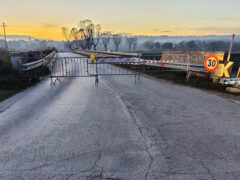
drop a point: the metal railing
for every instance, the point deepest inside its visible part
(175, 65)
(71, 67)
(155, 60)
(35, 64)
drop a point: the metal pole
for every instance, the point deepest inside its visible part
(96, 80)
(230, 49)
(237, 77)
(187, 75)
(5, 37)
(66, 66)
(139, 73)
(87, 66)
(143, 65)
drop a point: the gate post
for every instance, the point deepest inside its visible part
(87, 67)
(187, 69)
(96, 78)
(66, 65)
(139, 69)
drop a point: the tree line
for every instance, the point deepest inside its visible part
(88, 35)
(191, 45)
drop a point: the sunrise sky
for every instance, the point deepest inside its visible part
(44, 18)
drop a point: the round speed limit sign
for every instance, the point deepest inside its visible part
(211, 63)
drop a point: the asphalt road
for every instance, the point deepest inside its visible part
(119, 130)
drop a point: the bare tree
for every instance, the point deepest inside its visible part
(149, 44)
(85, 36)
(167, 46)
(86, 28)
(67, 35)
(117, 39)
(130, 41)
(157, 45)
(97, 35)
(135, 43)
(77, 36)
(105, 37)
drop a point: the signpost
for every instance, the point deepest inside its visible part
(211, 63)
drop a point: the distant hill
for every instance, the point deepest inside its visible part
(25, 43)
(142, 38)
(177, 39)
(17, 37)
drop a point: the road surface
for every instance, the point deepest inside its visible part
(118, 130)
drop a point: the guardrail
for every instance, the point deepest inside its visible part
(105, 53)
(231, 81)
(176, 65)
(189, 65)
(35, 64)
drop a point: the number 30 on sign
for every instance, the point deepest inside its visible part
(211, 63)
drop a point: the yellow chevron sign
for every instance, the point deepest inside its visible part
(224, 70)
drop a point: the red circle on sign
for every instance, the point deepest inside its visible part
(209, 66)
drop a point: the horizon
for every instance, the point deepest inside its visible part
(16, 37)
(147, 18)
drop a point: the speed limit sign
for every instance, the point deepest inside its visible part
(211, 63)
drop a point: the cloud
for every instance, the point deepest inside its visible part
(219, 29)
(161, 31)
(222, 18)
(48, 25)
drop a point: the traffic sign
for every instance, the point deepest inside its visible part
(224, 70)
(211, 63)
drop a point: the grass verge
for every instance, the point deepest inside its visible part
(10, 81)
(11, 84)
(179, 77)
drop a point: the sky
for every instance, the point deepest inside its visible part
(44, 18)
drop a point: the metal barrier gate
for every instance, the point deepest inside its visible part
(85, 67)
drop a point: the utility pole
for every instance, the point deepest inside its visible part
(5, 37)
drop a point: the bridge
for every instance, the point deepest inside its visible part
(113, 63)
(110, 63)
(117, 130)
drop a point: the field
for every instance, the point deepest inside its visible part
(180, 78)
